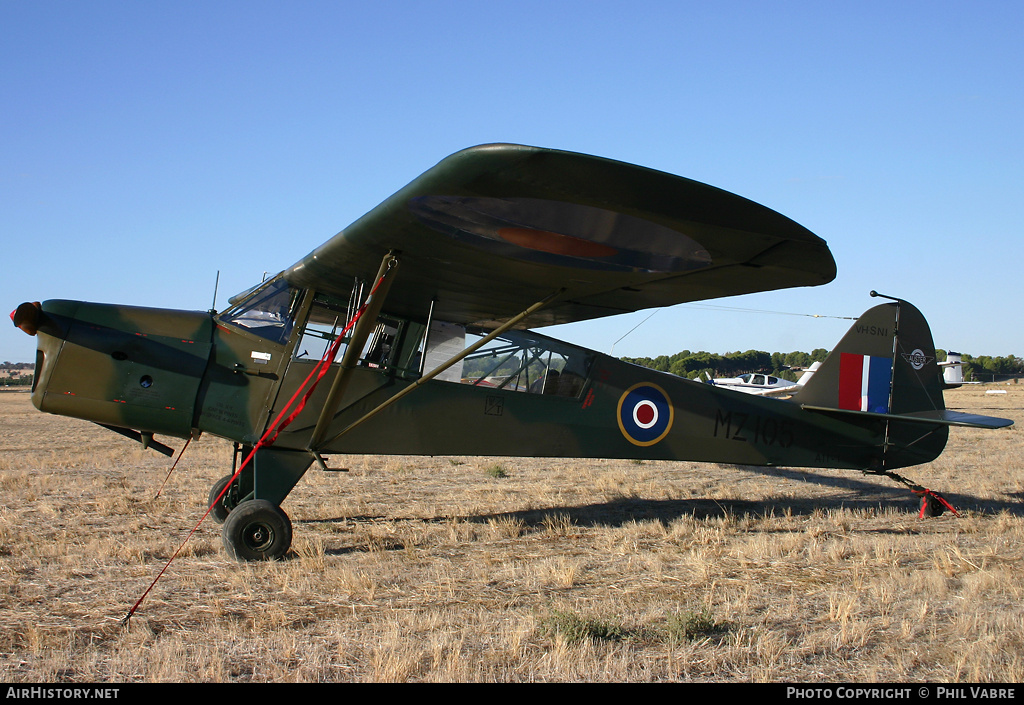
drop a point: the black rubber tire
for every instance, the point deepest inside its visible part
(257, 530)
(221, 510)
(932, 506)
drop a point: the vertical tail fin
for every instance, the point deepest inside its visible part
(883, 377)
(884, 364)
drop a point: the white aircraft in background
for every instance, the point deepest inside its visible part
(764, 385)
(953, 370)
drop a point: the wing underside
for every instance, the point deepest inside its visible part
(492, 229)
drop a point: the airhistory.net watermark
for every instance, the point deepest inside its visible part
(51, 693)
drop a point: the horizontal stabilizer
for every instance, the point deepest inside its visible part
(944, 417)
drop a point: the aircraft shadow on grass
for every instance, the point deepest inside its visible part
(863, 495)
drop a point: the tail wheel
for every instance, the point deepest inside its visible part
(257, 530)
(932, 505)
(219, 510)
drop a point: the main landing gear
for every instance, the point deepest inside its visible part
(257, 530)
(253, 529)
(221, 506)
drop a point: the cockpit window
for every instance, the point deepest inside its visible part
(525, 362)
(392, 347)
(328, 316)
(269, 312)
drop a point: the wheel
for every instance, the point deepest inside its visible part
(257, 530)
(932, 505)
(220, 511)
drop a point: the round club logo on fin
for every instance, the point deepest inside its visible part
(917, 358)
(645, 414)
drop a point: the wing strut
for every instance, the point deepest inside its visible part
(349, 360)
(314, 449)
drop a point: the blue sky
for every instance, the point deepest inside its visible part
(147, 145)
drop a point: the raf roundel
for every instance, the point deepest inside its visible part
(644, 414)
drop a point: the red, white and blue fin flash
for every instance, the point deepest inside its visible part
(864, 383)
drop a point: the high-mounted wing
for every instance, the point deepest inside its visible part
(492, 229)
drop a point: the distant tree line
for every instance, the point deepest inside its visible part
(788, 365)
(16, 374)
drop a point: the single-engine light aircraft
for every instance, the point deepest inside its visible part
(409, 332)
(768, 385)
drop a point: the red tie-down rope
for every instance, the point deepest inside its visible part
(927, 494)
(174, 465)
(275, 428)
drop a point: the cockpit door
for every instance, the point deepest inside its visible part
(252, 345)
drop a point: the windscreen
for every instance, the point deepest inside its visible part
(268, 312)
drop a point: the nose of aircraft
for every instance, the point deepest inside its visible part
(26, 316)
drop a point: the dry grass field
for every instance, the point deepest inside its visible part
(492, 569)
